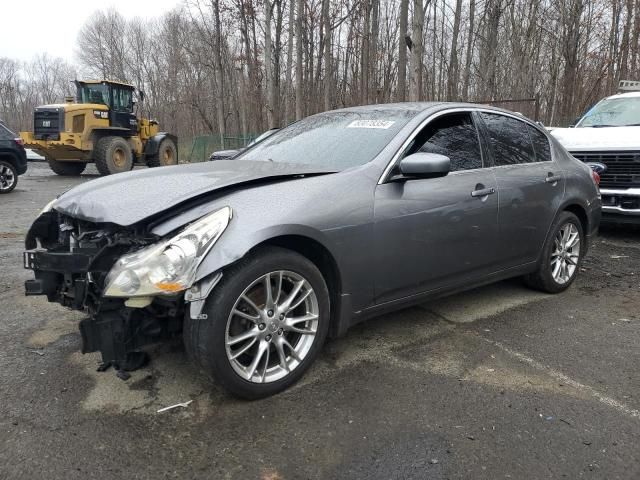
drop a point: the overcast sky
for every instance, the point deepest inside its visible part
(29, 27)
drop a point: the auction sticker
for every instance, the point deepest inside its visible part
(384, 124)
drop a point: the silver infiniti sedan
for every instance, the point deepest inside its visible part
(337, 218)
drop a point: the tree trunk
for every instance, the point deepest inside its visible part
(469, 53)
(415, 82)
(268, 66)
(289, 80)
(402, 52)
(328, 74)
(452, 77)
(300, 13)
(219, 98)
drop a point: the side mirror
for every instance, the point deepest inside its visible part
(425, 165)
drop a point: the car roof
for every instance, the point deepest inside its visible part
(420, 107)
(423, 106)
(624, 95)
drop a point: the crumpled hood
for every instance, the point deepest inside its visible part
(598, 139)
(128, 198)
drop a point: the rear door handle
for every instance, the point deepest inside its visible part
(483, 192)
(553, 179)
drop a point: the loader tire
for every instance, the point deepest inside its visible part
(67, 169)
(113, 155)
(167, 154)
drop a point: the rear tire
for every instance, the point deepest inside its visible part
(8, 176)
(66, 169)
(562, 256)
(167, 154)
(274, 326)
(113, 155)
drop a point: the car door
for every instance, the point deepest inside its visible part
(530, 185)
(436, 232)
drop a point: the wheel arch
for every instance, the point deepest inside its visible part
(9, 156)
(580, 212)
(152, 145)
(312, 249)
(322, 258)
(98, 133)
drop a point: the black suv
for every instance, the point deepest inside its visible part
(13, 159)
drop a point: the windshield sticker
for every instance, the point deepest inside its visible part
(384, 124)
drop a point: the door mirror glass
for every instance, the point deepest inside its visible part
(425, 165)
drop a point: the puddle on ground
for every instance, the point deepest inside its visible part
(418, 338)
(484, 302)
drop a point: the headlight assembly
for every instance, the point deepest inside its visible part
(169, 266)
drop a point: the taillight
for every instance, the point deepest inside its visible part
(596, 177)
(18, 141)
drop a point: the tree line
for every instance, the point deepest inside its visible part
(235, 67)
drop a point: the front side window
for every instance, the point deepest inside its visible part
(613, 112)
(510, 139)
(453, 136)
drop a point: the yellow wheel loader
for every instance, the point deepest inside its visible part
(100, 127)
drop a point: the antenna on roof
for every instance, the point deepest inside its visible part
(629, 86)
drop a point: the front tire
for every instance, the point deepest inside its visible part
(113, 155)
(8, 176)
(562, 256)
(66, 169)
(266, 322)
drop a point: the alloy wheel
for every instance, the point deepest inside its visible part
(566, 253)
(272, 327)
(7, 178)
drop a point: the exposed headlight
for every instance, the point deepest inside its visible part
(169, 266)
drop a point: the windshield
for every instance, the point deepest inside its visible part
(264, 135)
(336, 140)
(94, 93)
(613, 112)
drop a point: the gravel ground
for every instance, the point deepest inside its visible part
(499, 382)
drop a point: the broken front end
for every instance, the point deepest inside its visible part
(131, 282)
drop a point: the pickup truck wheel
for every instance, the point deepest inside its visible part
(167, 154)
(562, 256)
(113, 155)
(8, 176)
(67, 169)
(265, 323)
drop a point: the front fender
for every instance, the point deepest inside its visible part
(233, 245)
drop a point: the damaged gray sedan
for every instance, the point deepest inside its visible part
(337, 218)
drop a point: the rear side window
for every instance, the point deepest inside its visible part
(454, 136)
(510, 139)
(6, 134)
(540, 144)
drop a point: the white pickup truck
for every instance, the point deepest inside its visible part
(608, 135)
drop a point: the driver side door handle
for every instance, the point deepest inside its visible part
(483, 192)
(553, 178)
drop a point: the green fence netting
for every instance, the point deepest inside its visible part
(200, 147)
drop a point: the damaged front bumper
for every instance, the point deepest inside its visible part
(70, 270)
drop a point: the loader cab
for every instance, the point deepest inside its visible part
(118, 97)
